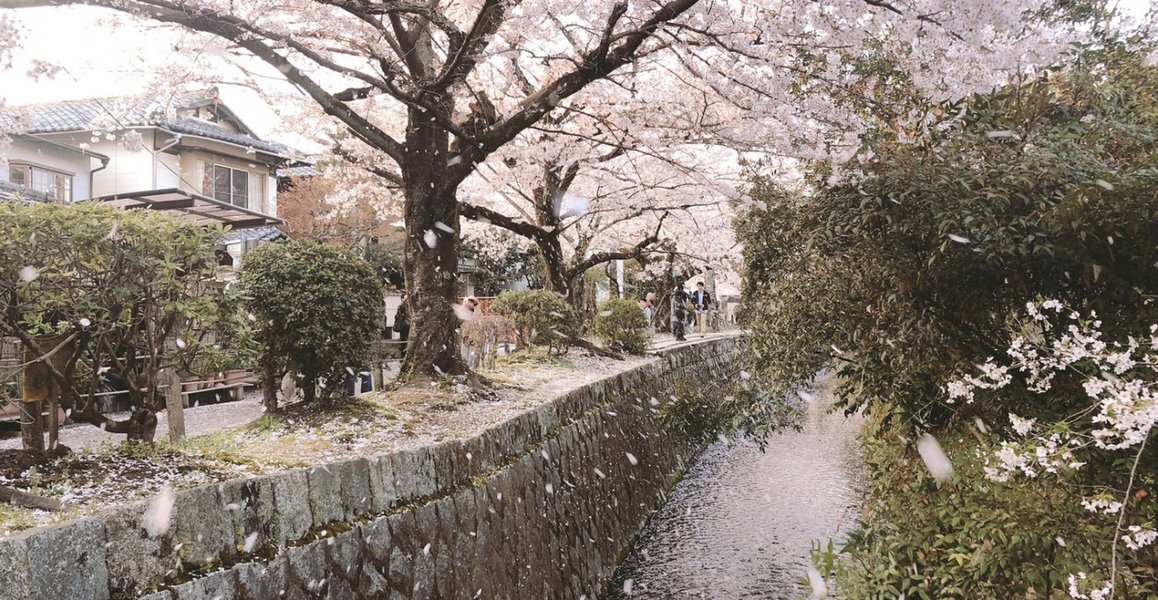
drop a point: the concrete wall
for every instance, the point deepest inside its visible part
(543, 505)
(128, 170)
(28, 150)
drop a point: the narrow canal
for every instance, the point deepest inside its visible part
(740, 524)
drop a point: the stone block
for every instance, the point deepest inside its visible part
(133, 559)
(325, 495)
(376, 537)
(219, 584)
(445, 456)
(344, 554)
(479, 454)
(252, 510)
(15, 571)
(354, 480)
(204, 528)
(259, 581)
(548, 418)
(291, 492)
(383, 492)
(307, 576)
(67, 561)
(414, 474)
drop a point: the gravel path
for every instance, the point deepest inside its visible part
(199, 420)
(202, 420)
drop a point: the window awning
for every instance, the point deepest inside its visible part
(202, 210)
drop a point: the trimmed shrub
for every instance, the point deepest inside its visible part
(622, 325)
(317, 309)
(540, 318)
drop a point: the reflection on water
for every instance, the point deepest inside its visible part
(741, 522)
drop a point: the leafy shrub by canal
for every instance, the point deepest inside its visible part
(924, 279)
(541, 318)
(622, 325)
(971, 538)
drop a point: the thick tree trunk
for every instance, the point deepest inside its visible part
(36, 388)
(32, 425)
(431, 258)
(269, 387)
(309, 386)
(557, 277)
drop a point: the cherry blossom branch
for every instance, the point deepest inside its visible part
(1122, 512)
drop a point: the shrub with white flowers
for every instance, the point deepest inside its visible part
(1118, 413)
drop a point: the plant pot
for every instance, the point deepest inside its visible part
(235, 376)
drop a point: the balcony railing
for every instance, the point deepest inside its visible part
(11, 191)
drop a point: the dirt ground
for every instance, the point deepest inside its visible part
(241, 441)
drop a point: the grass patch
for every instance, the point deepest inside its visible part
(302, 434)
(532, 357)
(15, 518)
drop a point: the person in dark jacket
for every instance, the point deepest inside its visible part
(402, 324)
(679, 313)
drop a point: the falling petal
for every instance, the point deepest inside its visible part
(463, 313)
(816, 581)
(934, 457)
(28, 273)
(1005, 133)
(430, 238)
(1102, 183)
(444, 227)
(959, 239)
(159, 514)
(632, 459)
(250, 542)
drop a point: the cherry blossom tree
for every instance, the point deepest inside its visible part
(620, 201)
(426, 92)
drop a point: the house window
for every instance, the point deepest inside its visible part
(227, 184)
(56, 186)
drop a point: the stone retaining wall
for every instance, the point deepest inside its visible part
(543, 505)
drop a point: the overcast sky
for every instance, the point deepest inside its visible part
(102, 60)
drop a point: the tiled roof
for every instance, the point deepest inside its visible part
(105, 113)
(259, 234)
(298, 171)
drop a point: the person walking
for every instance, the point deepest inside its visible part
(679, 313)
(702, 301)
(402, 324)
(648, 306)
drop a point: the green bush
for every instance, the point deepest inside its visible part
(696, 414)
(971, 538)
(133, 292)
(911, 273)
(541, 318)
(622, 325)
(317, 309)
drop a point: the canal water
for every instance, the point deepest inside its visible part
(741, 522)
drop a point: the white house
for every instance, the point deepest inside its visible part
(191, 154)
(50, 171)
